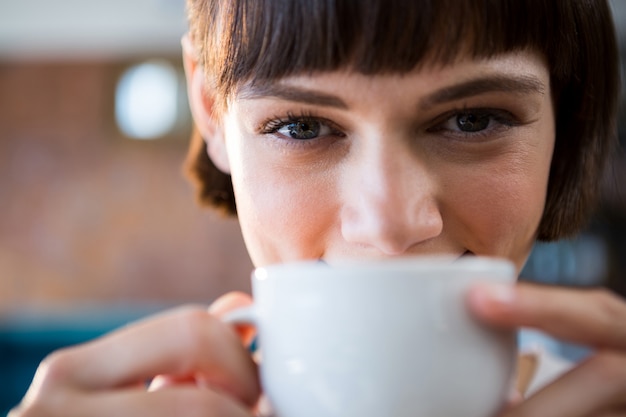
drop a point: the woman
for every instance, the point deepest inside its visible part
(377, 129)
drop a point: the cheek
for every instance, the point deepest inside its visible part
(501, 206)
(498, 214)
(285, 215)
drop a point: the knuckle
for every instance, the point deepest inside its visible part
(45, 395)
(196, 329)
(53, 369)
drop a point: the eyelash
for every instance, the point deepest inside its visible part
(502, 118)
(274, 124)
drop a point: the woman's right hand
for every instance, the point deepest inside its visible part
(199, 367)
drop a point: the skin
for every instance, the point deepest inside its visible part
(390, 176)
(391, 173)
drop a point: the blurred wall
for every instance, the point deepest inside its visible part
(90, 215)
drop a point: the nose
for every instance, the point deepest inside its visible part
(390, 199)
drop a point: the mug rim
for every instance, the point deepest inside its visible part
(473, 263)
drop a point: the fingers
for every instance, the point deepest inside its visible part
(183, 401)
(181, 343)
(591, 317)
(209, 372)
(595, 388)
(230, 302)
(221, 306)
(596, 318)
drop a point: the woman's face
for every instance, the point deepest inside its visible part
(451, 160)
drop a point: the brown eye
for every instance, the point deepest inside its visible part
(469, 123)
(473, 122)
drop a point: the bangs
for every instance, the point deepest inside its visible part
(259, 40)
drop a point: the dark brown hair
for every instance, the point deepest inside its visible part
(252, 41)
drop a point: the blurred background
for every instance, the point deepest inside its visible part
(98, 225)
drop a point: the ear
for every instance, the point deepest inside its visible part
(201, 102)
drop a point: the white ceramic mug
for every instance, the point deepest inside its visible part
(377, 339)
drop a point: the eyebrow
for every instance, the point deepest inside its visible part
(291, 93)
(490, 84)
(473, 87)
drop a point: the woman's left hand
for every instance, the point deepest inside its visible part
(594, 318)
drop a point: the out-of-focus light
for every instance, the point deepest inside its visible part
(146, 100)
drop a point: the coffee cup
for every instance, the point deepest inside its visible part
(380, 338)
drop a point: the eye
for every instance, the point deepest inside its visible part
(472, 122)
(300, 128)
(475, 122)
(303, 129)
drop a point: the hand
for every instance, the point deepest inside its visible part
(198, 364)
(595, 318)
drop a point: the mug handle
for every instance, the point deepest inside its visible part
(244, 315)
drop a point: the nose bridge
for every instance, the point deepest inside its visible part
(391, 201)
(396, 183)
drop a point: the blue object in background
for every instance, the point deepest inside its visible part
(21, 350)
(26, 339)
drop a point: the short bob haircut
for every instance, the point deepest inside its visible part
(256, 41)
